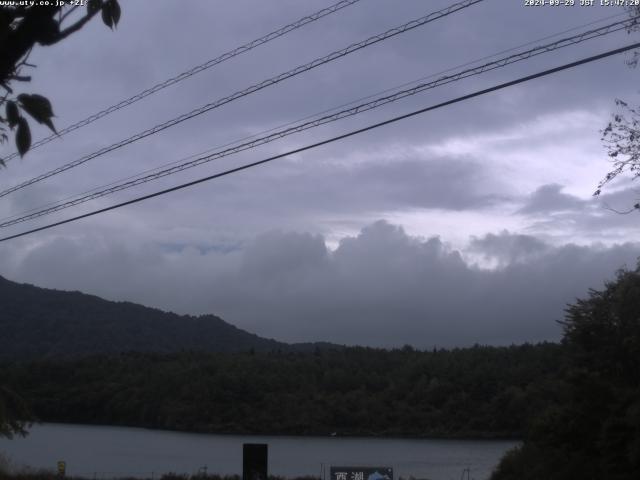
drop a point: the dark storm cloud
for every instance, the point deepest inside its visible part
(381, 287)
(384, 287)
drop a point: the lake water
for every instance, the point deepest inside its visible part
(107, 452)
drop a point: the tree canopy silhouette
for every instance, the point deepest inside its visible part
(621, 136)
(593, 429)
(21, 29)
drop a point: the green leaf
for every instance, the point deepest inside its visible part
(38, 107)
(107, 18)
(12, 113)
(111, 13)
(23, 137)
(115, 11)
(93, 6)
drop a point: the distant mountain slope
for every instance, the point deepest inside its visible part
(38, 323)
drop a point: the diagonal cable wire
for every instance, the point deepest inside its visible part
(252, 89)
(348, 112)
(194, 71)
(93, 194)
(317, 114)
(462, 98)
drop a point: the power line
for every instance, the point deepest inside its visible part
(194, 71)
(317, 114)
(114, 187)
(378, 102)
(252, 89)
(333, 139)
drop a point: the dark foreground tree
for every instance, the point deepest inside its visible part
(21, 29)
(594, 432)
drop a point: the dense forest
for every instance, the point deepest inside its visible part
(472, 392)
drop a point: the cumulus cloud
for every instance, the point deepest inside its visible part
(549, 199)
(506, 248)
(571, 218)
(381, 287)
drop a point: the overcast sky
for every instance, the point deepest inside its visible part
(471, 223)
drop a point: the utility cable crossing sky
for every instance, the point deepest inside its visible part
(363, 107)
(194, 71)
(431, 17)
(389, 90)
(336, 138)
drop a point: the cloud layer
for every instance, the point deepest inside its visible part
(382, 287)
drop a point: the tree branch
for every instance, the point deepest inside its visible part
(76, 26)
(66, 14)
(21, 78)
(23, 38)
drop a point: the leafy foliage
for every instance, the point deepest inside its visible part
(23, 136)
(22, 27)
(38, 107)
(111, 13)
(622, 140)
(594, 432)
(621, 136)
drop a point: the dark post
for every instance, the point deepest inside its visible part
(254, 461)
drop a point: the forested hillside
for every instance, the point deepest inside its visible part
(38, 323)
(480, 391)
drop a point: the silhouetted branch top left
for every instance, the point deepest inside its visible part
(21, 29)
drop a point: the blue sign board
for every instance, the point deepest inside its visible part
(361, 473)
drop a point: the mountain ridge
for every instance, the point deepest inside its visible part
(41, 323)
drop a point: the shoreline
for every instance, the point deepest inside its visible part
(366, 436)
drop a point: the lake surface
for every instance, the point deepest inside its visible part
(107, 452)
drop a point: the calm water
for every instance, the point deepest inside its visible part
(105, 452)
